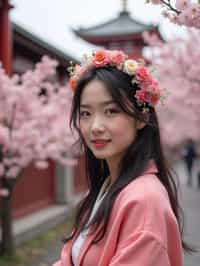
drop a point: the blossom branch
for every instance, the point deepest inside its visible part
(169, 5)
(182, 12)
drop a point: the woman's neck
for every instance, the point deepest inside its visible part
(114, 171)
(114, 165)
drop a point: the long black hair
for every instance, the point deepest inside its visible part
(145, 147)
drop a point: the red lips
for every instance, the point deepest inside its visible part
(100, 143)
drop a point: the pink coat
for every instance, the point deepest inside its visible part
(142, 230)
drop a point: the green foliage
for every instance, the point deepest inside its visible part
(38, 246)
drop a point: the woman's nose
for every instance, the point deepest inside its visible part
(97, 125)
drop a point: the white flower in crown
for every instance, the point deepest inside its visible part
(130, 66)
(148, 93)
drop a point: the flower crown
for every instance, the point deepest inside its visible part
(149, 92)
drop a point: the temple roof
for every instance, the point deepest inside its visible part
(37, 44)
(124, 24)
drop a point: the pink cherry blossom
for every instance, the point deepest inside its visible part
(4, 192)
(34, 120)
(156, 2)
(182, 12)
(181, 4)
(177, 65)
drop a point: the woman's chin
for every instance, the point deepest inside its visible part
(100, 154)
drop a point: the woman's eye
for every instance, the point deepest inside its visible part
(84, 114)
(112, 111)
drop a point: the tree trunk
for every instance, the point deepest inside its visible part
(7, 245)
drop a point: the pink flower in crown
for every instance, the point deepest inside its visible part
(154, 84)
(78, 72)
(142, 74)
(149, 83)
(142, 95)
(101, 58)
(155, 94)
(117, 57)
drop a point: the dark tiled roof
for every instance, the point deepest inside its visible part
(122, 25)
(39, 43)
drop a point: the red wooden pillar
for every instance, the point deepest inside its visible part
(5, 36)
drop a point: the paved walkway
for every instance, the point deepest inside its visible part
(190, 201)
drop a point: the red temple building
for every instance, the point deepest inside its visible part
(122, 32)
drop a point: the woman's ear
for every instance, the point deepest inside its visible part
(140, 124)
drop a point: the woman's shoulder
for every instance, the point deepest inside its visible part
(145, 188)
(144, 203)
(145, 198)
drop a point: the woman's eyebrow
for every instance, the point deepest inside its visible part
(101, 103)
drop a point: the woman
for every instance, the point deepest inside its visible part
(130, 215)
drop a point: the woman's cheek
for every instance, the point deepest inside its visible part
(83, 129)
(122, 120)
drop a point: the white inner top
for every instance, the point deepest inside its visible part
(81, 238)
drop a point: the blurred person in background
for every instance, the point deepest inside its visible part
(189, 155)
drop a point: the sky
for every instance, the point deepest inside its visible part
(53, 21)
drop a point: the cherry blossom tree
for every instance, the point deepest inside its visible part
(177, 66)
(182, 12)
(34, 119)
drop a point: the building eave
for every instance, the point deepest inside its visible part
(24, 37)
(124, 24)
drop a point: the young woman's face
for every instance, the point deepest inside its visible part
(106, 129)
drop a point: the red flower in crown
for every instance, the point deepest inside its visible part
(100, 58)
(72, 83)
(153, 99)
(155, 94)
